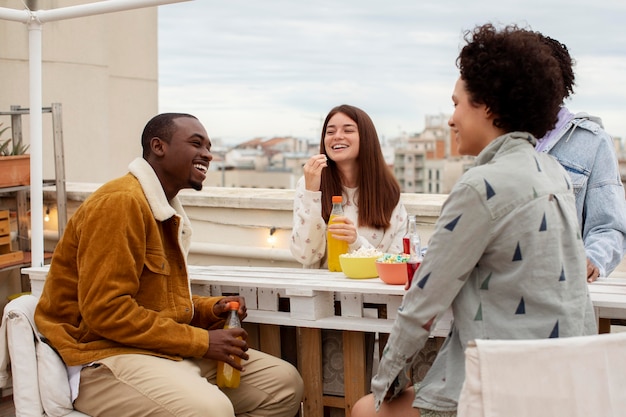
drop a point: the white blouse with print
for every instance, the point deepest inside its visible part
(308, 237)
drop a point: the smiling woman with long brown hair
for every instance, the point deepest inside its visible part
(350, 164)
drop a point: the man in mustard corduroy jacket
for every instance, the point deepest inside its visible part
(117, 304)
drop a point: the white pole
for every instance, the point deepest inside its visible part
(100, 7)
(36, 143)
(14, 15)
(80, 10)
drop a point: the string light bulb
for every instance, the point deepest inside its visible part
(271, 239)
(47, 216)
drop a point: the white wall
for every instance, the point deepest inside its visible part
(231, 225)
(102, 69)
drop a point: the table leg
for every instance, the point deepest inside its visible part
(604, 325)
(269, 335)
(354, 368)
(310, 367)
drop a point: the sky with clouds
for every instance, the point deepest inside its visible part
(251, 68)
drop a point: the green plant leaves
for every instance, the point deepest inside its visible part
(9, 148)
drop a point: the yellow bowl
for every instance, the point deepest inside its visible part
(358, 268)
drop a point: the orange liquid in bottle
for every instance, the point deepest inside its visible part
(227, 376)
(335, 248)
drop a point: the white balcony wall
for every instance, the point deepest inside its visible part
(231, 225)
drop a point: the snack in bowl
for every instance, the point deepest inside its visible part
(392, 269)
(360, 263)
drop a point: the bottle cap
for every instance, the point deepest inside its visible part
(233, 305)
(337, 199)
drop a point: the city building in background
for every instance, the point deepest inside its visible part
(107, 83)
(428, 162)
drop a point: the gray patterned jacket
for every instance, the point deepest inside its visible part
(507, 254)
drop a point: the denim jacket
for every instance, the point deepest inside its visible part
(587, 153)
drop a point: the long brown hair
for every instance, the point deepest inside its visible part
(378, 190)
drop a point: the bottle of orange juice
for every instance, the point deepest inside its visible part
(227, 376)
(335, 247)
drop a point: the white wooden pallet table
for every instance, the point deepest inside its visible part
(609, 300)
(365, 305)
(312, 295)
(319, 299)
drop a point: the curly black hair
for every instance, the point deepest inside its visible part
(514, 73)
(566, 62)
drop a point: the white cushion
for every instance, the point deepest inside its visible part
(39, 375)
(573, 376)
(21, 345)
(54, 387)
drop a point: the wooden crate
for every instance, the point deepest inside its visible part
(7, 256)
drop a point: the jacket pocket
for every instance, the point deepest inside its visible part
(577, 173)
(579, 181)
(157, 264)
(153, 290)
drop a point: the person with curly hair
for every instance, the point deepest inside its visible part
(586, 151)
(506, 251)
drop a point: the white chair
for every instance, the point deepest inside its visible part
(36, 371)
(574, 377)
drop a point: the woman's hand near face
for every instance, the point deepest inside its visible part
(313, 172)
(343, 229)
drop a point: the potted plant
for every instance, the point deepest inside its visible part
(14, 162)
